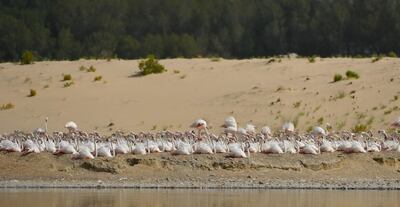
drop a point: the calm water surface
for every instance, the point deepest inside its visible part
(186, 198)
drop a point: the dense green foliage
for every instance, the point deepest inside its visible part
(351, 74)
(337, 77)
(69, 29)
(150, 65)
(27, 58)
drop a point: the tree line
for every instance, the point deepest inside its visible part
(71, 29)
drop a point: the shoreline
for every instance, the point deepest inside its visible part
(268, 185)
(333, 171)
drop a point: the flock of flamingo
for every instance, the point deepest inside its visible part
(235, 142)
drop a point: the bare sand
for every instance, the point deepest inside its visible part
(200, 88)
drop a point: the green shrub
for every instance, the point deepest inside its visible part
(376, 59)
(312, 59)
(297, 104)
(337, 78)
(67, 77)
(392, 54)
(150, 65)
(27, 58)
(32, 93)
(351, 74)
(91, 69)
(82, 68)
(98, 78)
(360, 128)
(68, 84)
(215, 59)
(320, 121)
(7, 106)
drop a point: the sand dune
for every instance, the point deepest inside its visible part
(193, 88)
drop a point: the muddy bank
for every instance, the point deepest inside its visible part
(162, 170)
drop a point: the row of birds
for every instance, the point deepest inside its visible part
(235, 142)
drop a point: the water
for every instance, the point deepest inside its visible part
(186, 198)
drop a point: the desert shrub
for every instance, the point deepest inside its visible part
(337, 78)
(215, 59)
(98, 78)
(68, 84)
(359, 128)
(312, 59)
(392, 54)
(297, 104)
(351, 74)
(82, 68)
(32, 93)
(376, 59)
(46, 86)
(27, 58)
(6, 106)
(67, 77)
(150, 65)
(91, 69)
(182, 77)
(177, 71)
(320, 121)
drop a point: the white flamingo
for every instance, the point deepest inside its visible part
(139, 149)
(236, 150)
(182, 148)
(396, 123)
(266, 131)
(288, 127)
(65, 147)
(319, 131)
(272, 147)
(9, 146)
(71, 126)
(200, 124)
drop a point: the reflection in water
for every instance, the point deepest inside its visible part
(184, 198)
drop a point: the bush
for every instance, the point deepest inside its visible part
(360, 128)
(337, 78)
(98, 78)
(91, 69)
(392, 54)
(82, 68)
(215, 59)
(376, 59)
(32, 93)
(351, 74)
(150, 65)
(68, 84)
(27, 58)
(312, 59)
(67, 77)
(7, 106)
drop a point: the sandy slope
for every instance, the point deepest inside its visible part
(202, 88)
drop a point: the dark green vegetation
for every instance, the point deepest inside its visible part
(27, 58)
(150, 65)
(69, 29)
(351, 74)
(337, 78)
